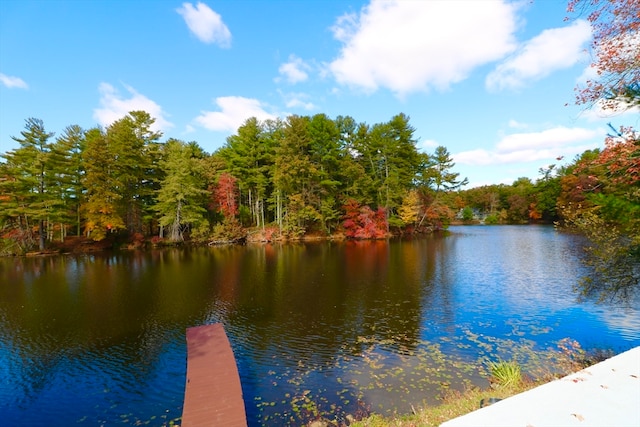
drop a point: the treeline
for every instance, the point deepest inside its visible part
(604, 181)
(284, 179)
(277, 178)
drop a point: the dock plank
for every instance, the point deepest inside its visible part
(213, 394)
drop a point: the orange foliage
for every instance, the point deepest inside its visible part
(616, 27)
(621, 157)
(534, 214)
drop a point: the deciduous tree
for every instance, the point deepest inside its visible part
(101, 180)
(615, 49)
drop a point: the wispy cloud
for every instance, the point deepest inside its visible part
(235, 110)
(525, 147)
(205, 24)
(549, 138)
(427, 145)
(114, 107)
(294, 71)
(297, 100)
(419, 45)
(13, 82)
(551, 50)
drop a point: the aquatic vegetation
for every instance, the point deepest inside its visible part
(391, 376)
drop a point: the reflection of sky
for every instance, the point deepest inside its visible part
(5, 372)
(516, 281)
(627, 322)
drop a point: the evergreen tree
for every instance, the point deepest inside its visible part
(296, 176)
(68, 169)
(135, 154)
(326, 153)
(249, 157)
(32, 200)
(389, 155)
(441, 175)
(180, 198)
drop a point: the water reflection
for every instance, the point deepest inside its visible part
(100, 339)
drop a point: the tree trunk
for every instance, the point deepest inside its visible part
(41, 236)
(175, 233)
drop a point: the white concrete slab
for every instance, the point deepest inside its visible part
(605, 394)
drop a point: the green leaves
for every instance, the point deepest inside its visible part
(296, 174)
(180, 198)
(31, 200)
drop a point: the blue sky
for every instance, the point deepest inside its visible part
(493, 81)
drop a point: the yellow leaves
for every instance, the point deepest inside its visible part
(409, 211)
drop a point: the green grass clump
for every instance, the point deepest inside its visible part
(505, 374)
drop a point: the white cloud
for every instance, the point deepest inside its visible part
(548, 144)
(297, 100)
(13, 82)
(550, 138)
(294, 71)
(417, 45)
(551, 50)
(205, 24)
(427, 145)
(235, 111)
(483, 157)
(114, 107)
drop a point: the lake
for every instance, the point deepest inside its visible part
(322, 327)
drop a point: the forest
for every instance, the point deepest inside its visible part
(277, 179)
(303, 176)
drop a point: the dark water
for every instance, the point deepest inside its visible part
(316, 328)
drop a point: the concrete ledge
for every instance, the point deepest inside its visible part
(605, 394)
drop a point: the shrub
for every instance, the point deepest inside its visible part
(491, 219)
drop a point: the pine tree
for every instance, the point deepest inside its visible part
(249, 156)
(134, 146)
(180, 198)
(68, 170)
(31, 198)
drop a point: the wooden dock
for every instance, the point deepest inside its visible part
(213, 395)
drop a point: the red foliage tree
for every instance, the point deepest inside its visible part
(361, 222)
(225, 195)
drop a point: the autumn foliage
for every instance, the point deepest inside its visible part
(225, 195)
(615, 49)
(361, 222)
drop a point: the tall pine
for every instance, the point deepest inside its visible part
(32, 201)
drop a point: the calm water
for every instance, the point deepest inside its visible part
(317, 327)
